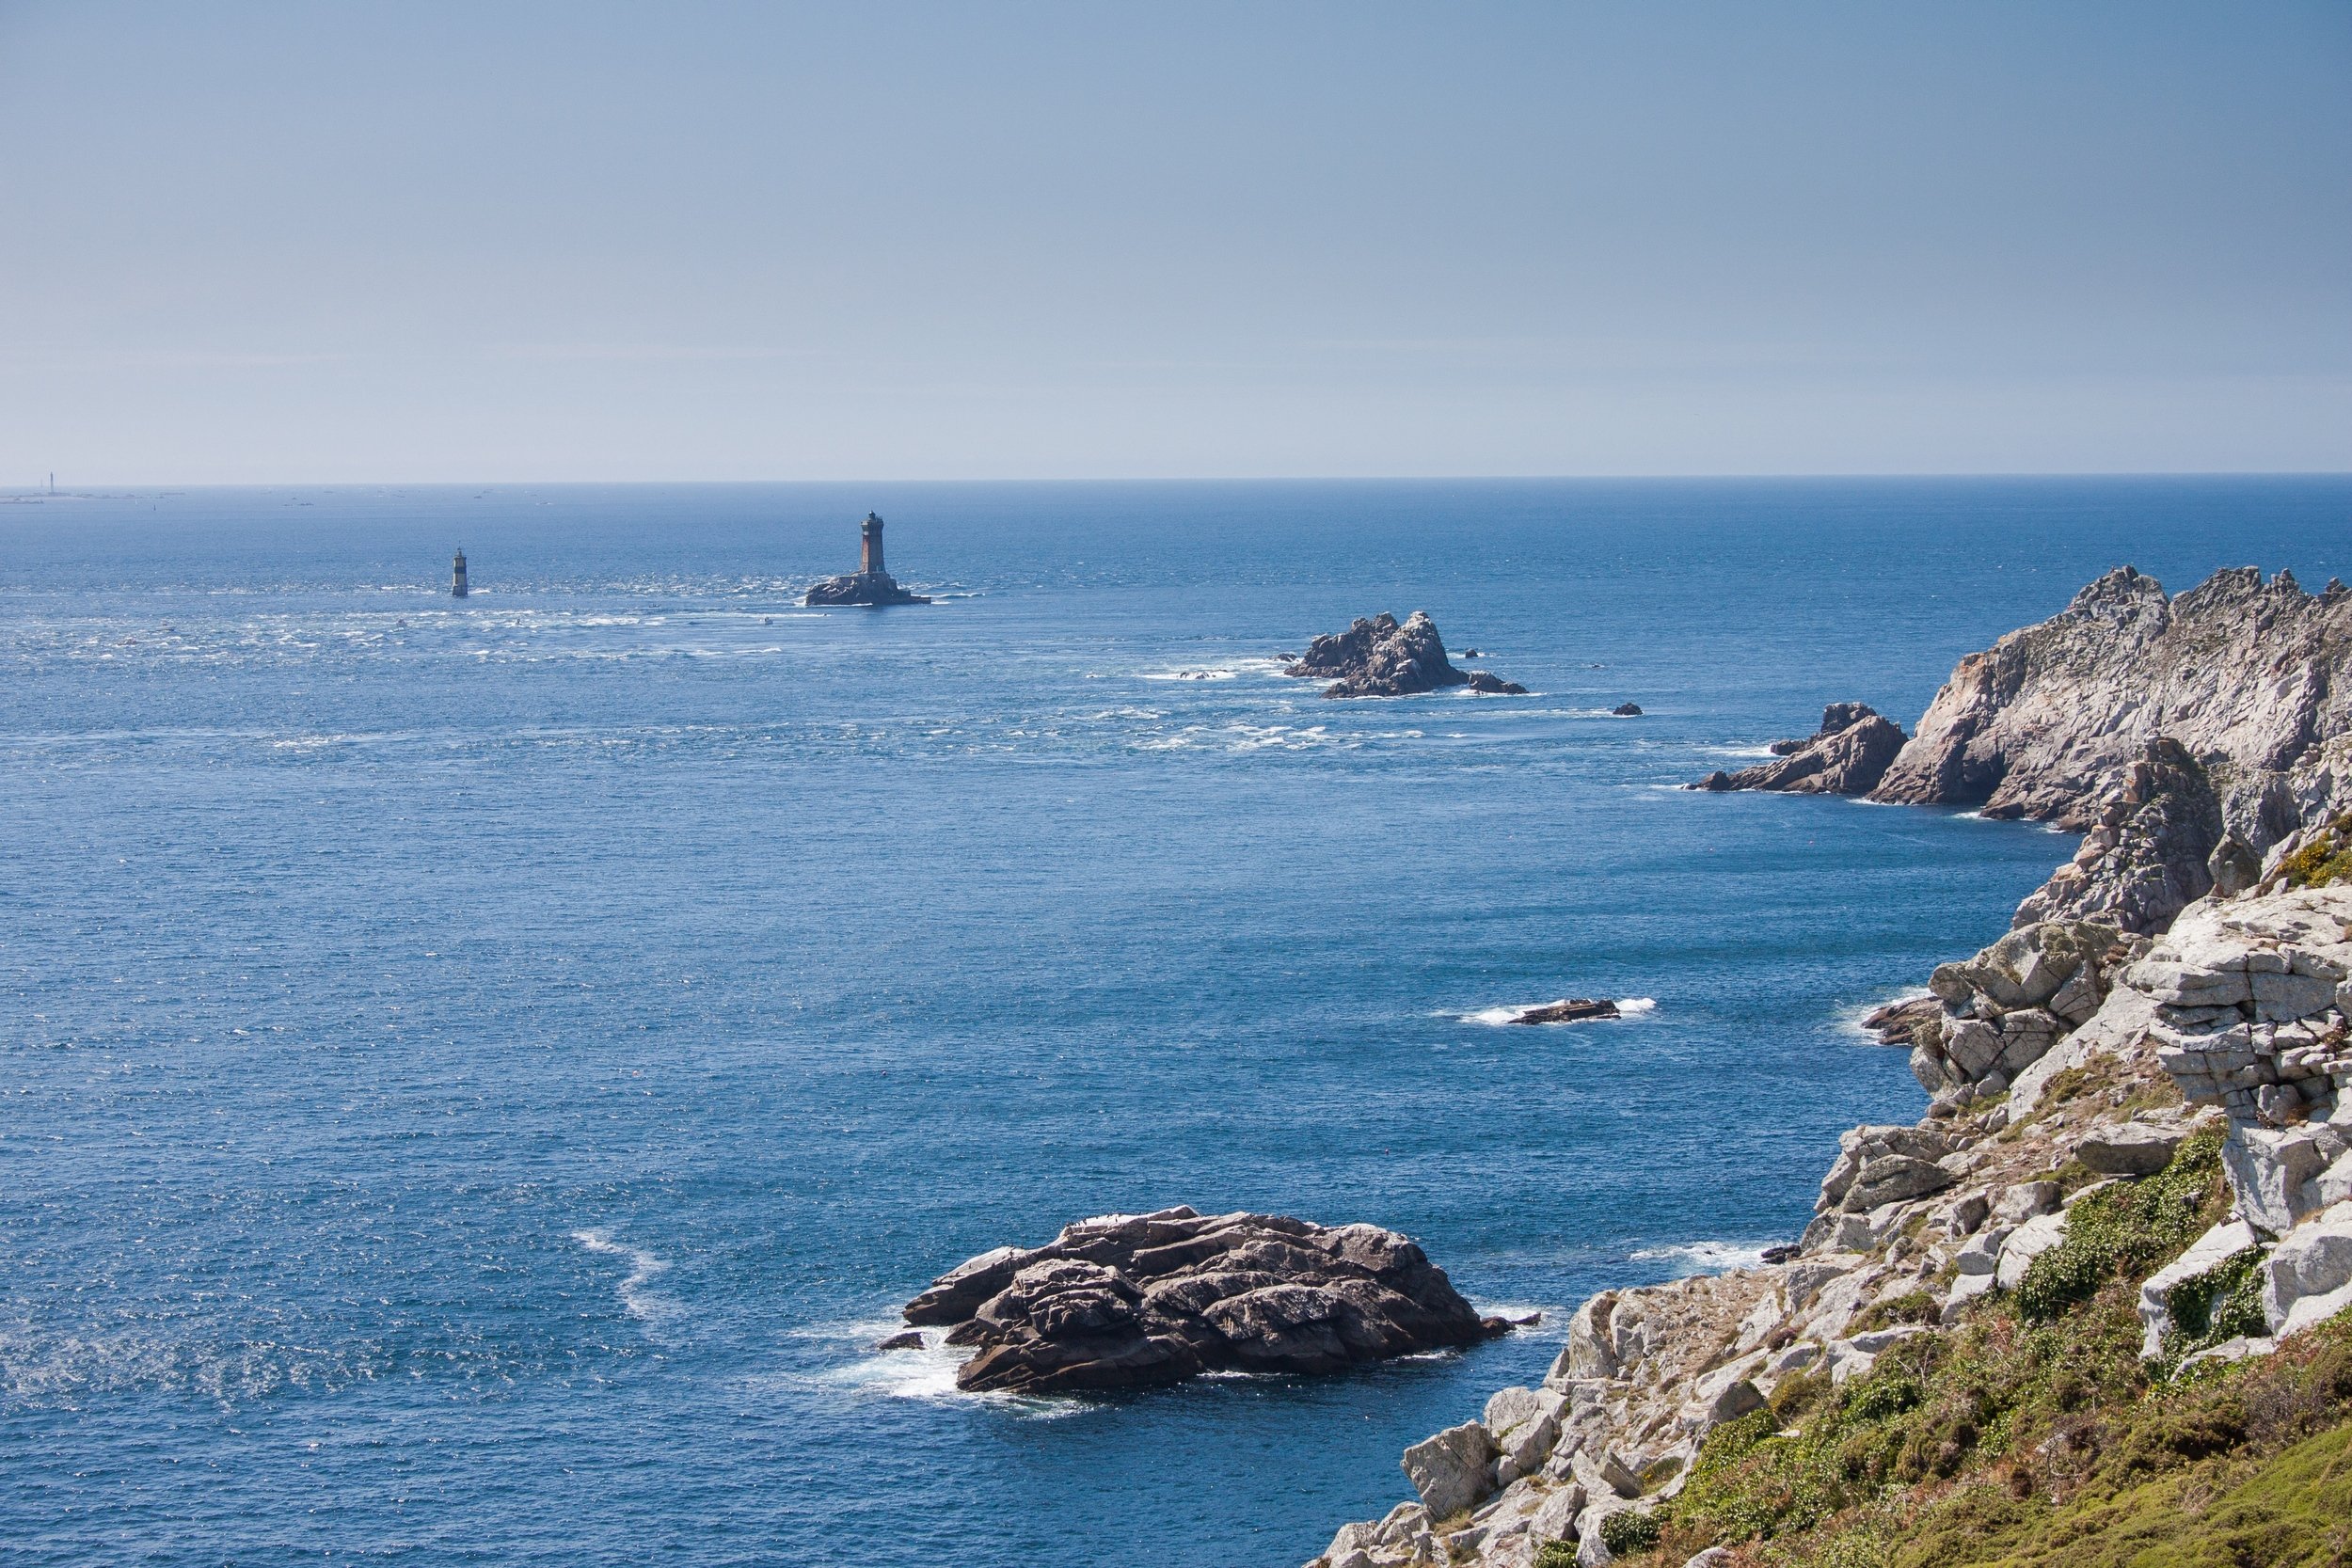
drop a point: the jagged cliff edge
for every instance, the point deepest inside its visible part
(2190, 971)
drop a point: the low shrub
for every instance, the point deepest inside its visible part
(1914, 1306)
(2224, 1301)
(2328, 858)
(2127, 1229)
(1628, 1532)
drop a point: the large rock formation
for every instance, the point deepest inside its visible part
(1379, 657)
(2245, 676)
(2147, 856)
(1847, 756)
(1130, 1301)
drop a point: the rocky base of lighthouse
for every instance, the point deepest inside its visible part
(861, 588)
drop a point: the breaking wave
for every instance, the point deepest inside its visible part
(1628, 1006)
(1690, 1257)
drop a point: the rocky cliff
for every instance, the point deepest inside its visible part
(2248, 676)
(2112, 1262)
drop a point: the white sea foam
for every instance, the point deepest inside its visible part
(1691, 1257)
(1221, 669)
(927, 1374)
(1628, 1006)
(645, 1304)
(1848, 1020)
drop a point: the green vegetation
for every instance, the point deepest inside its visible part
(2033, 1435)
(2328, 858)
(1915, 1307)
(2128, 1228)
(2224, 1301)
(1628, 1533)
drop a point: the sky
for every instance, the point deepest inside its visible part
(510, 242)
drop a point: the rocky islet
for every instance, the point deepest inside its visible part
(1380, 656)
(1129, 1301)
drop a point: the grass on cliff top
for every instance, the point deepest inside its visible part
(2040, 1438)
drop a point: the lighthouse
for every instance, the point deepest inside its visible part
(457, 577)
(870, 584)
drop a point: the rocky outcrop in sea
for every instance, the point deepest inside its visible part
(2175, 1000)
(1847, 756)
(1382, 658)
(1129, 1301)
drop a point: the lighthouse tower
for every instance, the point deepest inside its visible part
(870, 561)
(457, 577)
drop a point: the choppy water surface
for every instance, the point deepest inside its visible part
(478, 1076)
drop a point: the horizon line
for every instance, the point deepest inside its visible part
(84, 489)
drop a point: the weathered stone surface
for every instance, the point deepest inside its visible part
(2145, 859)
(1892, 1179)
(2028, 1242)
(1137, 1300)
(1845, 757)
(1453, 1470)
(2307, 1279)
(2133, 1150)
(1382, 658)
(2002, 1011)
(2245, 676)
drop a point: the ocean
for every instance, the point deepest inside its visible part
(480, 1075)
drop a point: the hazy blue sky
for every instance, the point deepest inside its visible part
(487, 241)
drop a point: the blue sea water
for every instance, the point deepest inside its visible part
(477, 1077)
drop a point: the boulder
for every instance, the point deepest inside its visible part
(1138, 1300)
(2308, 1276)
(1893, 1179)
(1626, 710)
(2133, 1149)
(2028, 1242)
(2208, 1252)
(1453, 1470)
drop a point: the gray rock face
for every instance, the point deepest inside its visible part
(2132, 1150)
(1138, 1300)
(2146, 860)
(2003, 1010)
(860, 588)
(1847, 756)
(1379, 657)
(2247, 676)
(1453, 1470)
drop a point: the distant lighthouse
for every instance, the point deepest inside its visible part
(870, 583)
(457, 577)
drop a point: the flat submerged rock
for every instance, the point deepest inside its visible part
(1131, 1301)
